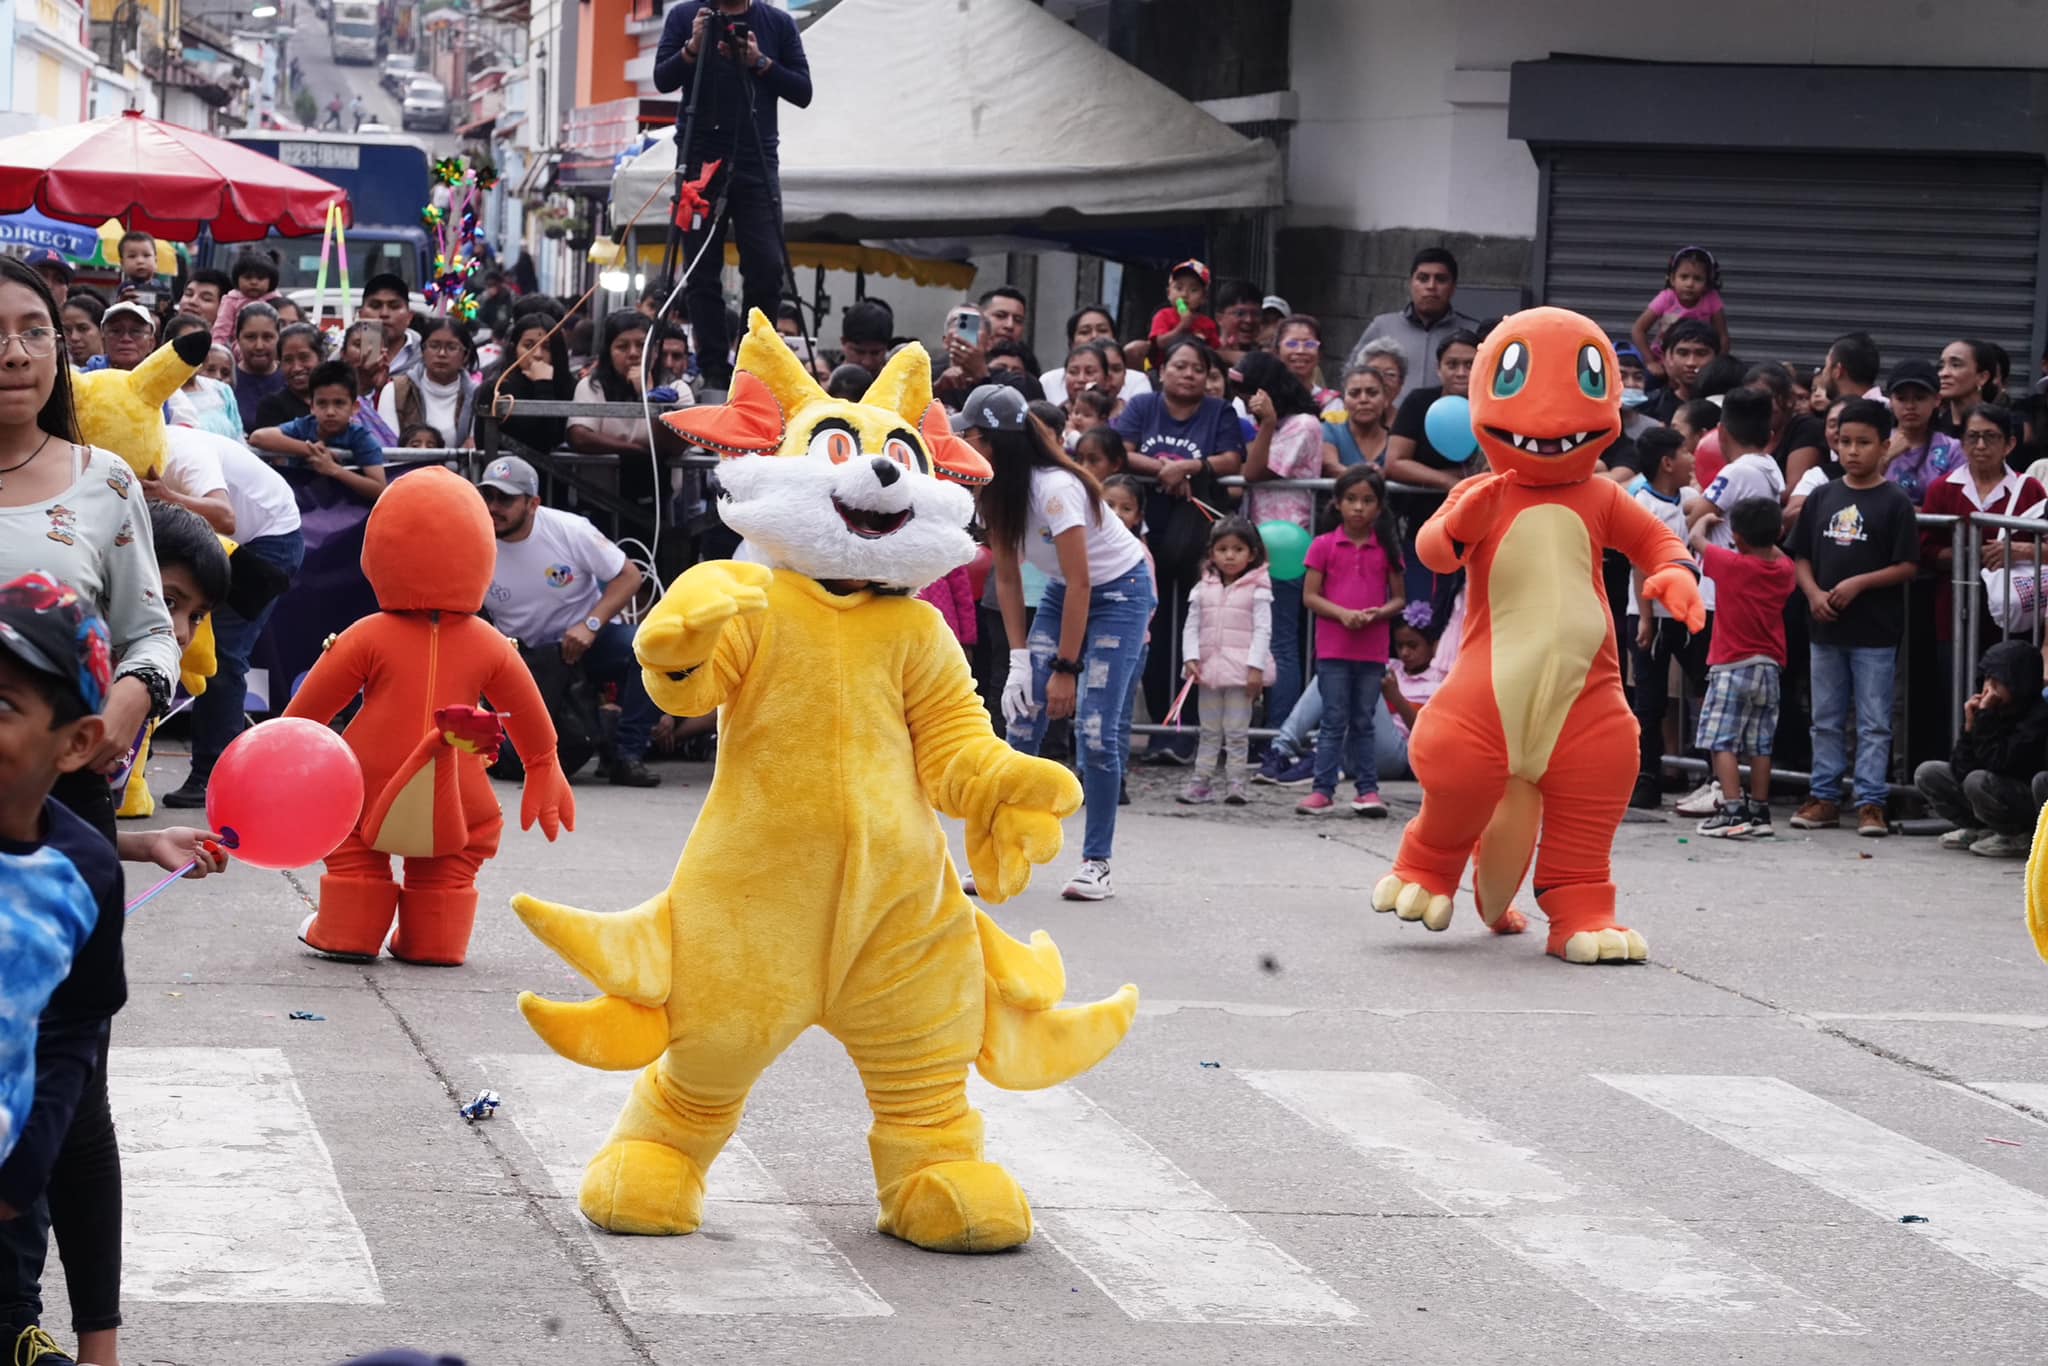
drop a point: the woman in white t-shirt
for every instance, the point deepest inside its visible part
(1091, 325)
(1082, 652)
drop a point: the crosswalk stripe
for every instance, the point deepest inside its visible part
(1989, 1223)
(229, 1194)
(1151, 1238)
(768, 1255)
(1650, 1272)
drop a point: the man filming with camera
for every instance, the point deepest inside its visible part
(753, 59)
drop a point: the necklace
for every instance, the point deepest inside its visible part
(6, 470)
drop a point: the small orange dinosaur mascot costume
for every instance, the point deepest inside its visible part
(1531, 732)
(421, 665)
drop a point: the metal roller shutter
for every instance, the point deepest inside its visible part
(1917, 252)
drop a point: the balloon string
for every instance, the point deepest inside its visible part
(1173, 713)
(1210, 512)
(161, 883)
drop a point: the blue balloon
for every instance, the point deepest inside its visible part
(1448, 425)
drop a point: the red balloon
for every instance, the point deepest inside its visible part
(284, 793)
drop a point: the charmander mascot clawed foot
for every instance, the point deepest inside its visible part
(1529, 748)
(421, 664)
(816, 888)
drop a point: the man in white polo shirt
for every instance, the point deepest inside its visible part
(559, 582)
(242, 498)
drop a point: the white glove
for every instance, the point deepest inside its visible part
(1017, 700)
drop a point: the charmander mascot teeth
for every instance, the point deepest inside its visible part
(421, 664)
(815, 888)
(1531, 731)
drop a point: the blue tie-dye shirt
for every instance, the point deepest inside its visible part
(47, 911)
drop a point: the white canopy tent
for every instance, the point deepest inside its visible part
(981, 116)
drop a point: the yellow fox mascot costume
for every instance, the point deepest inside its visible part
(816, 887)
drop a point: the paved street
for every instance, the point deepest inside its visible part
(326, 78)
(1330, 1138)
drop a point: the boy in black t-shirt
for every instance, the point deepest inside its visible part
(1856, 545)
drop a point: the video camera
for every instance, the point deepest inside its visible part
(732, 33)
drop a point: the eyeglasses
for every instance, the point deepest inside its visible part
(1983, 438)
(36, 343)
(445, 348)
(1301, 344)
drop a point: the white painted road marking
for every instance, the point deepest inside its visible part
(1650, 1272)
(1151, 1238)
(229, 1194)
(1987, 1222)
(2032, 1094)
(764, 1256)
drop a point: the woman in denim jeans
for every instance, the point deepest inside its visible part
(1084, 648)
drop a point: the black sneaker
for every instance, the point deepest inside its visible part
(187, 796)
(1729, 821)
(1648, 796)
(632, 773)
(1759, 819)
(1123, 793)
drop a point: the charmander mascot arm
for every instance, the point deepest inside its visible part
(1669, 575)
(1012, 803)
(546, 796)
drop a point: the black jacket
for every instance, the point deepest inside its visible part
(2011, 741)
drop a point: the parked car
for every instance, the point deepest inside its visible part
(399, 70)
(425, 106)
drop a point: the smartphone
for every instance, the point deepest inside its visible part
(967, 327)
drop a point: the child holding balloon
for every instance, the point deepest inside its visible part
(1354, 588)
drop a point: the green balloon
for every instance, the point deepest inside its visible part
(1286, 549)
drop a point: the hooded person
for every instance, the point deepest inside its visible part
(846, 715)
(426, 657)
(1986, 787)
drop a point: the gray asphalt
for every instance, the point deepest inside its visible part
(1888, 979)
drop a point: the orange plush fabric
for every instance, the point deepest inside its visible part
(428, 553)
(1531, 735)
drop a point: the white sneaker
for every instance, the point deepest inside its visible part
(1091, 883)
(1704, 800)
(1963, 838)
(967, 887)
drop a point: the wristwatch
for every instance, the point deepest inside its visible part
(593, 624)
(1066, 666)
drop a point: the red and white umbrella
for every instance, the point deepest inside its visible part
(161, 179)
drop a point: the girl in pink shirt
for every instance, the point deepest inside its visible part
(1354, 589)
(1692, 289)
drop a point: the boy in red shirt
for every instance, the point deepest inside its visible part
(1187, 290)
(1740, 713)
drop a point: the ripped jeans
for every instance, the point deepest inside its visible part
(1118, 612)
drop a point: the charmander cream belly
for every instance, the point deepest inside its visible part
(1548, 626)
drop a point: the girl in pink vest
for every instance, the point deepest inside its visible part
(1227, 644)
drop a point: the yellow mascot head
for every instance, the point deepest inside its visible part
(123, 410)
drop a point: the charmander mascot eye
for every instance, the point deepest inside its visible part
(1531, 734)
(816, 888)
(421, 663)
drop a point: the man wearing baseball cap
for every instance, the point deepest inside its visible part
(559, 584)
(55, 270)
(128, 331)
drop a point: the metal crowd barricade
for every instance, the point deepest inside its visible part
(571, 469)
(1970, 584)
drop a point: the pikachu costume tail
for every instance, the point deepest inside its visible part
(2037, 887)
(626, 955)
(1029, 1041)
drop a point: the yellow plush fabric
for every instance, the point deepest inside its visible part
(123, 410)
(816, 889)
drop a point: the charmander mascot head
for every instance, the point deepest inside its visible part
(869, 492)
(1546, 396)
(123, 410)
(428, 546)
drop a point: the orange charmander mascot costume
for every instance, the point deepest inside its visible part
(1531, 731)
(421, 665)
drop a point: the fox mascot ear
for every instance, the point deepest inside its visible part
(749, 422)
